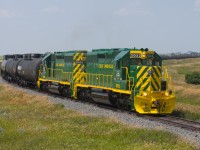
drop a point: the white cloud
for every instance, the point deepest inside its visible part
(4, 13)
(53, 9)
(123, 12)
(197, 5)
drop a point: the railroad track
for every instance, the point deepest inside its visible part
(177, 122)
(166, 119)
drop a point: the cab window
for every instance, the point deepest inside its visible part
(147, 62)
(157, 63)
(136, 61)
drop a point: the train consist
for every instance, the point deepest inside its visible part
(132, 79)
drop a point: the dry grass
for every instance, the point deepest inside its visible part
(188, 95)
(188, 65)
(187, 107)
(22, 98)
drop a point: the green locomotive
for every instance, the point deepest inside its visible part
(133, 79)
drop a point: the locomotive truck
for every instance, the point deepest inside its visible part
(128, 78)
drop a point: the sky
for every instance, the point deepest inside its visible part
(39, 26)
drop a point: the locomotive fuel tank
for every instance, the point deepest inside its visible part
(28, 69)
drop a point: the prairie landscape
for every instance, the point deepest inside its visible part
(188, 95)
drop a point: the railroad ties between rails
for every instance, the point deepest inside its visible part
(165, 119)
(176, 122)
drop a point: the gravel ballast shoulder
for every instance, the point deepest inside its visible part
(192, 137)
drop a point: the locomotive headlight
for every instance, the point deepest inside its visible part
(145, 94)
(166, 93)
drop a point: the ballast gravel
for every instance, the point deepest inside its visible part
(192, 137)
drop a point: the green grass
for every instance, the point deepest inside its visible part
(186, 114)
(183, 70)
(187, 99)
(31, 122)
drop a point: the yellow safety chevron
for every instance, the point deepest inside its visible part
(143, 77)
(154, 84)
(158, 71)
(80, 56)
(78, 71)
(148, 78)
(75, 56)
(76, 67)
(141, 71)
(79, 79)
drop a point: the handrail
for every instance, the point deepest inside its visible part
(128, 78)
(57, 74)
(99, 79)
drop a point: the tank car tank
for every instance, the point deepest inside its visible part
(11, 67)
(6, 59)
(27, 69)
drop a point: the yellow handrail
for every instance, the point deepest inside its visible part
(99, 80)
(128, 78)
(57, 74)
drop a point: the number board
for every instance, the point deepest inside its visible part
(149, 55)
(79, 62)
(135, 55)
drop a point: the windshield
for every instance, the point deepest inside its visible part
(145, 62)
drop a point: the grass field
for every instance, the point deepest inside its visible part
(188, 95)
(31, 122)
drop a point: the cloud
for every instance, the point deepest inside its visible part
(123, 12)
(197, 6)
(53, 9)
(4, 13)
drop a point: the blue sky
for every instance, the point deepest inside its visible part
(32, 26)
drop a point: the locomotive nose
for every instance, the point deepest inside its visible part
(155, 102)
(153, 91)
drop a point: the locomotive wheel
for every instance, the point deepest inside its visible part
(44, 87)
(81, 96)
(65, 92)
(115, 102)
